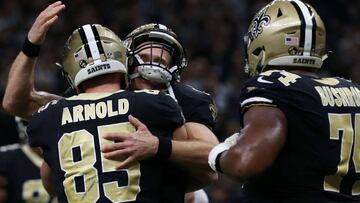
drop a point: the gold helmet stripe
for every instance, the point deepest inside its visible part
(95, 53)
(306, 36)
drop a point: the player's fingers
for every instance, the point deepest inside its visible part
(117, 155)
(116, 136)
(56, 10)
(55, 4)
(50, 22)
(126, 163)
(49, 14)
(113, 147)
(136, 122)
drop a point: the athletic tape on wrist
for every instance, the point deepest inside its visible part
(214, 155)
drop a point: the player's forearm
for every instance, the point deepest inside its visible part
(191, 153)
(21, 98)
(20, 84)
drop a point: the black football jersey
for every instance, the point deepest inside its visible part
(320, 161)
(70, 133)
(21, 167)
(197, 106)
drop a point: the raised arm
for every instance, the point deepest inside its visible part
(21, 98)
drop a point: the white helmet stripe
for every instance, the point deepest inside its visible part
(308, 26)
(313, 45)
(95, 53)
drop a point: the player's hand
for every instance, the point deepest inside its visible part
(130, 147)
(43, 22)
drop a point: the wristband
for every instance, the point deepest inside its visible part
(232, 140)
(164, 149)
(30, 49)
(214, 156)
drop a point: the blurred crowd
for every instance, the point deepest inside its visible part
(211, 31)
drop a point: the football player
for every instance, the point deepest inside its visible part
(19, 185)
(300, 135)
(94, 61)
(156, 60)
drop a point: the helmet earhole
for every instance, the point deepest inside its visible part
(257, 51)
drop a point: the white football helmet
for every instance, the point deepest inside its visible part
(285, 33)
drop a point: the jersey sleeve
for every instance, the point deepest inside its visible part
(42, 126)
(159, 112)
(196, 105)
(167, 107)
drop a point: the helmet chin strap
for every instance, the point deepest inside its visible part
(170, 91)
(67, 77)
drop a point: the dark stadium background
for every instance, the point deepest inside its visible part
(211, 31)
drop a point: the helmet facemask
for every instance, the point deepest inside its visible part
(153, 62)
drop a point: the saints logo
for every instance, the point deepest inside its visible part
(257, 25)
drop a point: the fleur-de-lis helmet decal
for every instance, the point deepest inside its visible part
(257, 25)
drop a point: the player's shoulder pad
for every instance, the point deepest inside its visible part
(42, 122)
(198, 106)
(190, 92)
(48, 106)
(188, 95)
(155, 97)
(46, 111)
(272, 79)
